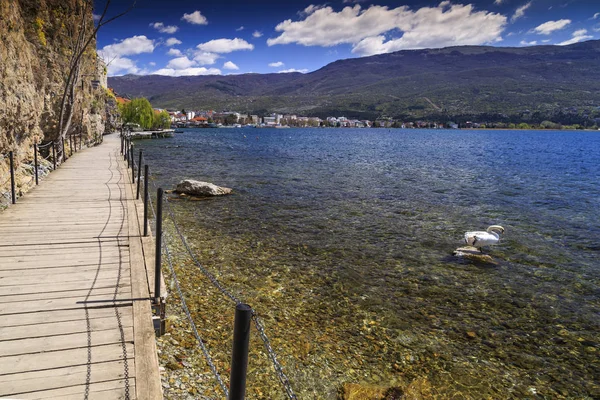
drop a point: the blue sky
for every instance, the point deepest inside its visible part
(181, 37)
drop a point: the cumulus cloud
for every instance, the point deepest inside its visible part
(205, 58)
(159, 26)
(225, 45)
(444, 25)
(287, 71)
(519, 12)
(174, 52)
(276, 64)
(532, 43)
(188, 71)
(181, 63)
(257, 34)
(172, 41)
(578, 36)
(548, 27)
(231, 66)
(114, 54)
(195, 18)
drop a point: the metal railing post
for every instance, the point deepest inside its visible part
(64, 150)
(71, 144)
(139, 176)
(54, 154)
(80, 140)
(122, 138)
(12, 178)
(239, 354)
(125, 148)
(146, 200)
(35, 162)
(132, 165)
(158, 254)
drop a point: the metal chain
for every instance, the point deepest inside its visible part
(278, 369)
(259, 326)
(209, 361)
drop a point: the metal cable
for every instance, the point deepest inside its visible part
(209, 361)
(41, 146)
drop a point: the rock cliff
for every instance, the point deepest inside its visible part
(37, 40)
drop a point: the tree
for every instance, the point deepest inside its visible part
(162, 120)
(81, 42)
(137, 111)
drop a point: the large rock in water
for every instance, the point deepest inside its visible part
(197, 188)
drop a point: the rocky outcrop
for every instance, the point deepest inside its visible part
(36, 43)
(200, 189)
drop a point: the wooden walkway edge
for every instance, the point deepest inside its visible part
(75, 311)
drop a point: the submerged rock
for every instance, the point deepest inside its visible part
(473, 254)
(198, 188)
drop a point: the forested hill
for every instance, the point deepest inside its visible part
(463, 80)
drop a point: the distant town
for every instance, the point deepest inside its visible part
(212, 119)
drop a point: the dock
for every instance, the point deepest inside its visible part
(165, 133)
(75, 308)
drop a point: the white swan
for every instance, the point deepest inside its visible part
(480, 238)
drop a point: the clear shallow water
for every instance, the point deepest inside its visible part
(350, 233)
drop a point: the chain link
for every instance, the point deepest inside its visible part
(257, 322)
(209, 361)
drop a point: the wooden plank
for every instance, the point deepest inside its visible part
(59, 278)
(62, 358)
(97, 391)
(43, 317)
(63, 342)
(67, 303)
(148, 383)
(124, 288)
(24, 265)
(66, 327)
(63, 377)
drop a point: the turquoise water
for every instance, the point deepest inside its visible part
(352, 231)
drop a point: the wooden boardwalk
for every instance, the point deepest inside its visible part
(75, 319)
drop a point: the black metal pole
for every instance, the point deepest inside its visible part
(71, 144)
(146, 200)
(122, 138)
(132, 165)
(54, 154)
(64, 150)
(239, 354)
(139, 176)
(35, 162)
(12, 178)
(158, 254)
(80, 140)
(125, 148)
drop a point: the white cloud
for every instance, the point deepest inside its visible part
(127, 47)
(230, 65)
(188, 71)
(195, 18)
(172, 41)
(225, 45)
(596, 16)
(498, 2)
(548, 27)
(241, 28)
(532, 43)
(152, 63)
(257, 34)
(181, 63)
(174, 52)
(445, 25)
(276, 64)
(122, 66)
(287, 71)
(96, 17)
(519, 12)
(578, 36)
(159, 26)
(205, 58)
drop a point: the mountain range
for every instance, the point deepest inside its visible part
(453, 81)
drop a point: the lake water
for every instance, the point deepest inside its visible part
(342, 240)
